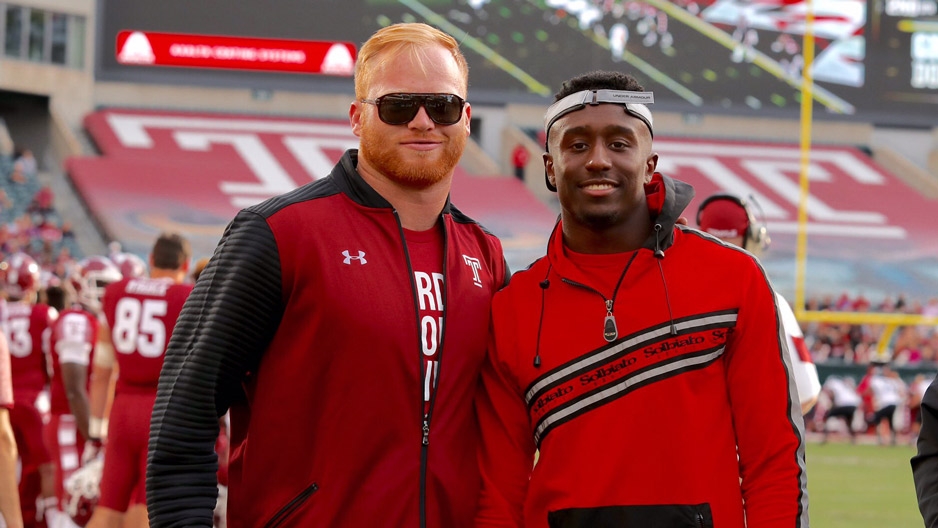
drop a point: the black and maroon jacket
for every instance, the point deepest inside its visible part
(686, 417)
(305, 324)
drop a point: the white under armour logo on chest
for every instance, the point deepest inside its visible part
(349, 257)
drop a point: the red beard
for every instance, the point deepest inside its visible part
(417, 170)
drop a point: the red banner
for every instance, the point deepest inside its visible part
(236, 53)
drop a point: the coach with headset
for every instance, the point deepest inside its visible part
(732, 220)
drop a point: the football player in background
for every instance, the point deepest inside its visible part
(74, 433)
(731, 219)
(844, 404)
(9, 496)
(140, 316)
(24, 322)
(102, 393)
(889, 393)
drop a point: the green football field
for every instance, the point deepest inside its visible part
(861, 486)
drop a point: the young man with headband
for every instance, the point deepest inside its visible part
(643, 360)
(344, 324)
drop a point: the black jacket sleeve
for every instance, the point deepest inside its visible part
(225, 325)
(925, 463)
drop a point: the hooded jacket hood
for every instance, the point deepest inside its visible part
(667, 198)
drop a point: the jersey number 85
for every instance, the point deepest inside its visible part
(138, 327)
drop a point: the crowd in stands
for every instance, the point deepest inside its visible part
(29, 220)
(841, 343)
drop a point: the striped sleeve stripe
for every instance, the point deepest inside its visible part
(627, 344)
(621, 388)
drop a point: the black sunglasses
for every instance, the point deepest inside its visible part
(402, 108)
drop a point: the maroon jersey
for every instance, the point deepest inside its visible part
(141, 314)
(24, 325)
(72, 340)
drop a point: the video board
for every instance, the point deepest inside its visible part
(875, 60)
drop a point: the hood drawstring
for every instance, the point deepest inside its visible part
(659, 253)
(659, 256)
(544, 284)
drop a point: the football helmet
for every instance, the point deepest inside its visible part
(83, 490)
(131, 266)
(89, 277)
(20, 274)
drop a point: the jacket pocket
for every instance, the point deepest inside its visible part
(290, 508)
(657, 515)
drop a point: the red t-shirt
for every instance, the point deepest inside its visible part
(426, 260)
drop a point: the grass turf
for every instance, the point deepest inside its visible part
(861, 486)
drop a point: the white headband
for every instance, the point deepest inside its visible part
(634, 103)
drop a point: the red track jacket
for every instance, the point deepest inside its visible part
(644, 430)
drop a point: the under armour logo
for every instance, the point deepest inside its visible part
(349, 258)
(475, 265)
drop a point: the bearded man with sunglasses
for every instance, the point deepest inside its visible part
(344, 325)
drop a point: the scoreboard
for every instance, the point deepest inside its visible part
(876, 60)
(905, 35)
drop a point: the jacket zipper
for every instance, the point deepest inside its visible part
(610, 303)
(425, 423)
(291, 506)
(610, 329)
(700, 520)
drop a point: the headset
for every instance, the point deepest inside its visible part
(756, 231)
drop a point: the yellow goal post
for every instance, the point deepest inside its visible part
(890, 321)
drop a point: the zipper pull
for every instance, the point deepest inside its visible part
(426, 431)
(610, 331)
